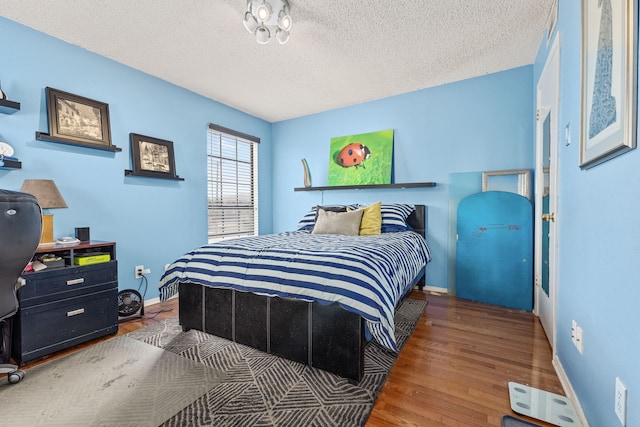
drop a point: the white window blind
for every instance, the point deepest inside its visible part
(232, 164)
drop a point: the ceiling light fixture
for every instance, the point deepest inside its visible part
(261, 20)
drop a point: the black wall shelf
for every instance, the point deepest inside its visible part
(11, 164)
(128, 172)
(366, 187)
(48, 138)
(8, 107)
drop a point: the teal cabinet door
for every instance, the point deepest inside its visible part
(494, 249)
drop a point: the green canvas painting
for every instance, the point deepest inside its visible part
(361, 159)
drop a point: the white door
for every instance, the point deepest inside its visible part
(547, 129)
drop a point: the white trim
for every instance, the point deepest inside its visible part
(548, 76)
(435, 289)
(568, 390)
(156, 300)
(152, 301)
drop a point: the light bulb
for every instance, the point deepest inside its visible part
(284, 21)
(263, 12)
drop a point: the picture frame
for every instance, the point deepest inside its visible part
(152, 157)
(609, 80)
(513, 180)
(78, 120)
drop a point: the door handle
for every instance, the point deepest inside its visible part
(549, 217)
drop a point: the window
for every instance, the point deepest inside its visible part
(232, 186)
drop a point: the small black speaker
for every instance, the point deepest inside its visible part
(82, 234)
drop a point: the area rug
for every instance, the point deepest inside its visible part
(119, 382)
(264, 390)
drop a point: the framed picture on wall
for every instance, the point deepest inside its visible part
(609, 66)
(152, 157)
(361, 159)
(77, 119)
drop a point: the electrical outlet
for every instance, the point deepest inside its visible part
(574, 326)
(579, 339)
(139, 271)
(621, 402)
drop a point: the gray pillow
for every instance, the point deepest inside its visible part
(347, 223)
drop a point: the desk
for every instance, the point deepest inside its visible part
(65, 306)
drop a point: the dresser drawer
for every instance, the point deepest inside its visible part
(45, 328)
(51, 285)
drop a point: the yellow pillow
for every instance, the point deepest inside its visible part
(371, 223)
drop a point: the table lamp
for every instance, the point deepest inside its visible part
(49, 197)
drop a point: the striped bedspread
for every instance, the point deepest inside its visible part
(364, 274)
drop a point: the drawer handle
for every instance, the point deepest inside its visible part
(75, 312)
(75, 281)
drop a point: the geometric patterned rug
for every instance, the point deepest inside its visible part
(118, 382)
(261, 389)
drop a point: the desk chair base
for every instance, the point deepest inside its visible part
(14, 375)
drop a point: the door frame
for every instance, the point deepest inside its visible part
(552, 65)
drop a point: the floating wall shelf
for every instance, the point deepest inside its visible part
(11, 164)
(8, 107)
(366, 187)
(46, 137)
(128, 172)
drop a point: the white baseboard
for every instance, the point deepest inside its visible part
(435, 289)
(568, 390)
(156, 300)
(151, 301)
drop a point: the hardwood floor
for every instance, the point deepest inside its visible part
(454, 369)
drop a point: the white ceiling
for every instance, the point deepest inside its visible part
(340, 53)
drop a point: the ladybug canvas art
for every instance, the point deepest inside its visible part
(353, 154)
(361, 159)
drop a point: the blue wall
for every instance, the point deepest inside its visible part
(153, 221)
(485, 123)
(598, 251)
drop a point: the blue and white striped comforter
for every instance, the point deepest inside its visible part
(364, 274)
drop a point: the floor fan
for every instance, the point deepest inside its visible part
(131, 303)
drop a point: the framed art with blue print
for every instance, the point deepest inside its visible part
(609, 80)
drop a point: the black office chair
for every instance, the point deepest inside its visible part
(20, 229)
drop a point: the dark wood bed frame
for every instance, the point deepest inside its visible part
(323, 336)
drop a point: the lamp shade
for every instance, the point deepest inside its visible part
(45, 191)
(262, 34)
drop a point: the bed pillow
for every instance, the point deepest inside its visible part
(371, 223)
(346, 223)
(309, 219)
(333, 208)
(394, 217)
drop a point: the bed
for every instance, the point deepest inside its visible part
(312, 298)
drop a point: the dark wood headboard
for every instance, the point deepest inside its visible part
(418, 220)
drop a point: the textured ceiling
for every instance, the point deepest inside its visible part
(340, 53)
